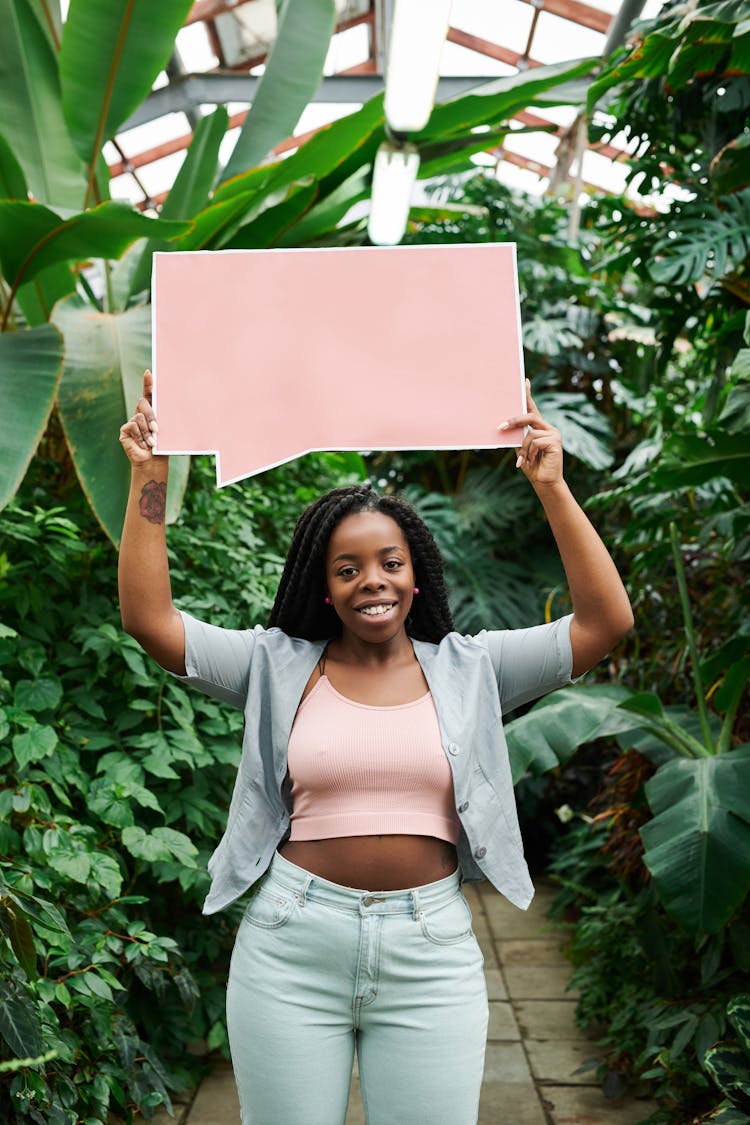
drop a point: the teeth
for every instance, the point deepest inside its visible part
(375, 610)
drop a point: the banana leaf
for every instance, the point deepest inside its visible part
(291, 77)
(33, 237)
(30, 368)
(323, 218)
(105, 356)
(497, 101)
(698, 842)
(189, 194)
(12, 179)
(37, 299)
(111, 53)
(550, 733)
(33, 122)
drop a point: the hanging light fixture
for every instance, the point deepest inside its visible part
(396, 167)
(418, 31)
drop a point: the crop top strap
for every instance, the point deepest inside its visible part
(322, 661)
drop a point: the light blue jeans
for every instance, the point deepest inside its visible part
(317, 966)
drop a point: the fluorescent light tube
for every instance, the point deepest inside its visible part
(418, 31)
(393, 179)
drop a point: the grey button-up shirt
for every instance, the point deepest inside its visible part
(472, 681)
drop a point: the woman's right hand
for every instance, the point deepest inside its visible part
(137, 436)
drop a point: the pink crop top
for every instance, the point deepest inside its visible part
(360, 770)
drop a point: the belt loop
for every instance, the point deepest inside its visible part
(416, 905)
(302, 896)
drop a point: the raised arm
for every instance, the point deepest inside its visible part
(145, 592)
(601, 607)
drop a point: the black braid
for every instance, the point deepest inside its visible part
(299, 608)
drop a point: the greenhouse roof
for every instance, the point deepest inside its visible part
(222, 48)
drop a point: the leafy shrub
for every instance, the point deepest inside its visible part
(115, 785)
(655, 994)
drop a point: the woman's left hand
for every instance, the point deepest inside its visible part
(540, 456)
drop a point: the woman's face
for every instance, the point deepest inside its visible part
(369, 575)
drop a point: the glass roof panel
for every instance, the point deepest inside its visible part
(556, 40)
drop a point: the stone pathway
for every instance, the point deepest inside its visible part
(535, 1052)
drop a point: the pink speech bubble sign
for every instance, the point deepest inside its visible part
(263, 355)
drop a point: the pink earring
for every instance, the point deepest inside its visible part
(415, 590)
(327, 600)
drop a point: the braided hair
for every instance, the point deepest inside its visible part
(299, 608)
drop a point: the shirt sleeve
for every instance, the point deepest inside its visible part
(217, 661)
(529, 662)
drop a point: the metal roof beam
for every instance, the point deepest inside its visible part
(188, 91)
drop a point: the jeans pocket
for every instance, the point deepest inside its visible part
(269, 909)
(447, 924)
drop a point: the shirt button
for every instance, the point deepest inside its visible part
(453, 748)
(480, 853)
(463, 807)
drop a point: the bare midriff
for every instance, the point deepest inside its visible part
(375, 863)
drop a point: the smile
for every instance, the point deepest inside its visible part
(376, 610)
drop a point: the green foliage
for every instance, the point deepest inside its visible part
(115, 786)
(655, 996)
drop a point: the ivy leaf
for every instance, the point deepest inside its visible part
(43, 694)
(141, 845)
(159, 763)
(161, 844)
(180, 845)
(106, 872)
(110, 803)
(76, 865)
(33, 744)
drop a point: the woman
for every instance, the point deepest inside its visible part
(374, 776)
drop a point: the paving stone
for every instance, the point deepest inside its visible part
(355, 1114)
(161, 1117)
(515, 1102)
(507, 921)
(495, 984)
(539, 982)
(548, 1019)
(538, 951)
(561, 1061)
(489, 950)
(480, 925)
(216, 1102)
(473, 897)
(502, 1021)
(506, 1062)
(584, 1105)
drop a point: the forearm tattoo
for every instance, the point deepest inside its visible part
(153, 503)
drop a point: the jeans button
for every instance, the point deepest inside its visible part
(368, 900)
